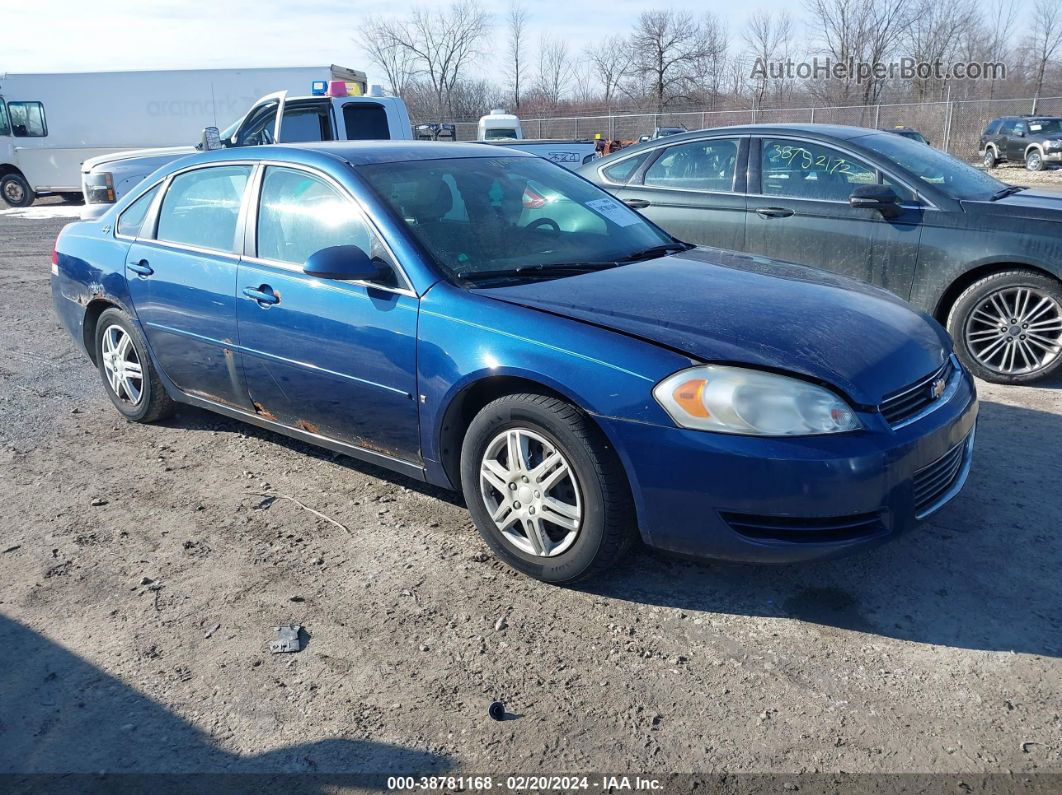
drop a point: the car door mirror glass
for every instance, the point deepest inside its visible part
(209, 140)
(345, 263)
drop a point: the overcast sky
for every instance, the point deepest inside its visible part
(101, 35)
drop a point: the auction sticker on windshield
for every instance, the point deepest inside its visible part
(613, 211)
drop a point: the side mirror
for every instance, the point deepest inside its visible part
(346, 263)
(209, 140)
(1020, 133)
(876, 197)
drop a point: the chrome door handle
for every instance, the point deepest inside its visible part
(773, 212)
(263, 294)
(637, 204)
(141, 268)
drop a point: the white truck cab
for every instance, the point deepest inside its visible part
(499, 126)
(335, 111)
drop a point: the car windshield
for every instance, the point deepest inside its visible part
(512, 217)
(1045, 126)
(932, 167)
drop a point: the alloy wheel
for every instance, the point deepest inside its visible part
(530, 489)
(122, 365)
(1015, 330)
(1033, 162)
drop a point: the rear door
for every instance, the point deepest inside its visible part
(799, 210)
(695, 191)
(331, 358)
(181, 272)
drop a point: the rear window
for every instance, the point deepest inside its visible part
(366, 121)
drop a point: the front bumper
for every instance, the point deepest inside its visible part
(763, 500)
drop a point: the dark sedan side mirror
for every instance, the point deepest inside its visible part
(345, 263)
(876, 197)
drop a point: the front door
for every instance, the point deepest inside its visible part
(690, 190)
(801, 213)
(332, 358)
(182, 281)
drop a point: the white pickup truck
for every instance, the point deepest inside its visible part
(330, 114)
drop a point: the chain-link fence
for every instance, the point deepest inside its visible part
(953, 126)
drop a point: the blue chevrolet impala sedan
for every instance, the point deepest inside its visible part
(487, 321)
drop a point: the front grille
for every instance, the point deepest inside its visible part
(911, 400)
(934, 481)
(799, 529)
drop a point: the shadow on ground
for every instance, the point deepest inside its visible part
(62, 715)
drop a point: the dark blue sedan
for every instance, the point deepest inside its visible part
(485, 320)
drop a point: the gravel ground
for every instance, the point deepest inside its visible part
(141, 574)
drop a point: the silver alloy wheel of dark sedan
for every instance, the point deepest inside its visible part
(125, 375)
(1015, 330)
(531, 491)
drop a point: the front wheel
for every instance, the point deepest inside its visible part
(1007, 327)
(126, 369)
(1034, 161)
(545, 490)
(16, 191)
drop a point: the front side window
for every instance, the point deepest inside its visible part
(27, 119)
(300, 214)
(5, 127)
(701, 165)
(478, 216)
(306, 123)
(366, 121)
(132, 220)
(201, 207)
(805, 170)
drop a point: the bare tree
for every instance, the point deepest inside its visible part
(398, 63)
(666, 46)
(1045, 37)
(441, 43)
(611, 60)
(555, 70)
(934, 36)
(767, 38)
(516, 20)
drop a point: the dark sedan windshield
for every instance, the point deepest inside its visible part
(933, 167)
(483, 215)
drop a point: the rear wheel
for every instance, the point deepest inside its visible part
(128, 375)
(16, 191)
(1007, 326)
(545, 490)
(989, 159)
(1034, 160)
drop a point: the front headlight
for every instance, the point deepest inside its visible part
(98, 187)
(739, 400)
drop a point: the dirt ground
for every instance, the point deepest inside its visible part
(142, 572)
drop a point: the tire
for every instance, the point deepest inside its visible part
(978, 324)
(1034, 160)
(989, 160)
(598, 488)
(151, 403)
(16, 191)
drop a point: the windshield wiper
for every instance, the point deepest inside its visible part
(537, 271)
(1007, 191)
(657, 251)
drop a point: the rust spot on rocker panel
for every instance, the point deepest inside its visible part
(262, 411)
(309, 427)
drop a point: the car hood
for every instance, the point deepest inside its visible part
(1031, 204)
(720, 306)
(152, 158)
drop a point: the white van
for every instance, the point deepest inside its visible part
(499, 126)
(51, 123)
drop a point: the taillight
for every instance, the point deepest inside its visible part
(55, 258)
(533, 200)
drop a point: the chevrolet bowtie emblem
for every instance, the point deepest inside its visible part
(936, 389)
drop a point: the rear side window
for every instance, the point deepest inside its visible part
(300, 214)
(201, 207)
(309, 123)
(5, 128)
(132, 220)
(701, 165)
(366, 121)
(623, 170)
(27, 119)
